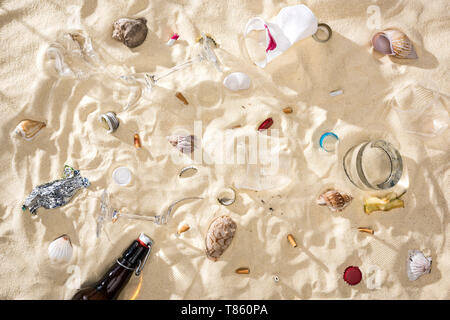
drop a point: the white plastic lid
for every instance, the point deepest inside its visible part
(122, 176)
(145, 239)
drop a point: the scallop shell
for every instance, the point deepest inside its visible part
(334, 200)
(185, 144)
(417, 264)
(219, 236)
(29, 128)
(237, 81)
(394, 42)
(109, 121)
(60, 249)
(132, 32)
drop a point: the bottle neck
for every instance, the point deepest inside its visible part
(120, 273)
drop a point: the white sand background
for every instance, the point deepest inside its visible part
(302, 77)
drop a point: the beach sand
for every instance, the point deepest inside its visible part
(302, 77)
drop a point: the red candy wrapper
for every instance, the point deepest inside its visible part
(266, 124)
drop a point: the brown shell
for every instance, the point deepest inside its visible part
(219, 236)
(394, 42)
(29, 128)
(132, 32)
(334, 200)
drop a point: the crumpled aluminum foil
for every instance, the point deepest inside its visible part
(56, 193)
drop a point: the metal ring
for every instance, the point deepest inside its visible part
(323, 26)
(128, 268)
(224, 200)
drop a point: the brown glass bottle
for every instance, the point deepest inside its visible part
(112, 283)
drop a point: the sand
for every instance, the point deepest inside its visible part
(302, 77)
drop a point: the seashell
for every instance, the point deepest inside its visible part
(394, 42)
(237, 81)
(60, 249)
(417, 264)
(29, 128)
(110, 121)
(183, 143)
(219, 236)
(334, 200)
(132, 32)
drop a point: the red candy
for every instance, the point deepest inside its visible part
(352, 275)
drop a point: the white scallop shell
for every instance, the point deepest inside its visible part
(60, 249)
(417, 264)
(237, 81)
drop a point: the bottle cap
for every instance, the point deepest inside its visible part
(145, 240)
(352, 275)
(122, 176)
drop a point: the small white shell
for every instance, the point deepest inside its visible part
(60, 249)
(417, 264)
(237, 81)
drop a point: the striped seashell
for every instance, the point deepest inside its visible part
(394, 42)
(417, 264)
(185, 144)
(29, 128)
(60, 249)
(219, 236)
(334, 200)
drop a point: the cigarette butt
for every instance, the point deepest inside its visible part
(242, 270)
(291, 240)
(368, 230)
(184, 228)
(287, 110)
(137, 141)
(236, 126)
(180, 96)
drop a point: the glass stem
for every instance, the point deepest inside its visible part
(137, 217)
(176, 68)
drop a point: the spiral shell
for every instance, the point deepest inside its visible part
(334, 200)
(60, 250)
(417, 264)
(29, 128)
(132, 32)
(219, 236)
(183, 143)
(394, 42)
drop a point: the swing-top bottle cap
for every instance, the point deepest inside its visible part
(145, 240)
